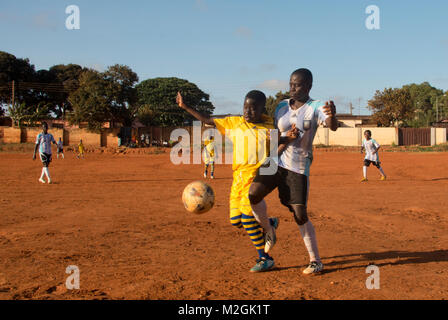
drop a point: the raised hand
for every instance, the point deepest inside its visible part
(329, 108)
(180, 100)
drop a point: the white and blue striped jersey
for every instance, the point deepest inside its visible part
(298, 155)
(44, 141)
(370, 146)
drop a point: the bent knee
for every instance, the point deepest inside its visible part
(255, 194)
(300, 214)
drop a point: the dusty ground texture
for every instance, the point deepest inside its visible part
(120, 219)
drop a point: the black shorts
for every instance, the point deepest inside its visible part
(45, 158)
(292, 186)
(60, 150)
(368, 162)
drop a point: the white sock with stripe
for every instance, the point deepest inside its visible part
(364, 171)
(309, 238)
(43, 173)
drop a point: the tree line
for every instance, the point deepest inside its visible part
(84, 95)
(79, 94)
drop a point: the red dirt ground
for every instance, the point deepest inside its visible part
(120, 219)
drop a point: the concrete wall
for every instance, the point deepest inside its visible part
(354, 136)
(11, 135)
(384, 136)
(344, 137)
(440, 135)
(88, 138)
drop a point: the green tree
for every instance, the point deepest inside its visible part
(272, 102)
(391, 107)
(123, 92)
(24, 115)
(159, 96)
(12, 68)
(68, 77)
(102, 97)
(91, 102)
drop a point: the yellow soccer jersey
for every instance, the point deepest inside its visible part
(81, 147)
(250, 140)
(210, 148)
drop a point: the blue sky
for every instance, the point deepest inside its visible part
(228, 47)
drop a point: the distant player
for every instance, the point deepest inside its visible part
(60, 151)
(209, 156)
(371, 147)
(257, 125)
(43, 143)
(81, 150)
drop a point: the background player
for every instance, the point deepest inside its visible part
(302, 115)
(244, 171)
(80, 150)
(371, 147)
(43, 143)
(209, 156)
(60, 151)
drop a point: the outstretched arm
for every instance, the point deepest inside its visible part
(194, 113)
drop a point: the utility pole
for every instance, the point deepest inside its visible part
(13, 93)
(437, 109)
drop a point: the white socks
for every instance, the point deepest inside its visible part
(260, 214)
(309, 238)
(47, 173)
(43, 173)
(364, 171)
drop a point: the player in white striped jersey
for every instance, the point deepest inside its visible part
(43, 143)
(302, 114)
(371, 147)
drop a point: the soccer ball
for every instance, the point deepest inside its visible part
(198, 197)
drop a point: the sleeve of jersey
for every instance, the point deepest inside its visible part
(226, 123)
(377, 145)
(37, 138)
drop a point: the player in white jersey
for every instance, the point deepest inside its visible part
(292, 177)
(43, 143)
(209, 156)
(371, 147)
(60, 148)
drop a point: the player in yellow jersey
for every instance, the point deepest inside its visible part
(255, 126)
(81, 150)
(209, 156)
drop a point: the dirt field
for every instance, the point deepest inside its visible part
(120, 219)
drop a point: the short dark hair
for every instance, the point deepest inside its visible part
(44, 124)
(258, 96)
(304, 73)
(368, 131)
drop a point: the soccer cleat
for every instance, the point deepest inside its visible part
(263, 264)
(314, 267)
(270, 237)
(49, 181)
(41, 180)
(383, 178)
(364, 180)
(212, 177)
